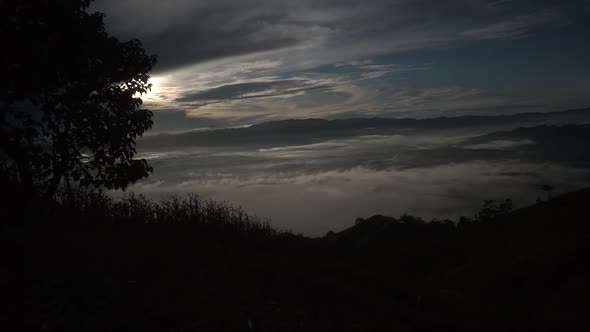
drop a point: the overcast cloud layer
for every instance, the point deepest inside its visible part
(228, 63)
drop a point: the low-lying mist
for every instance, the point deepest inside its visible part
(322, 186)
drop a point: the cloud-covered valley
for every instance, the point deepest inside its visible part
(318, 186)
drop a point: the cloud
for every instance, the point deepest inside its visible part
(368, 69)
(236, 62)
(498, 4)
(515, 28)
(315, 203)
(501, 144)
(326, 184)
(172, 121)
(245, 97)
(271, 88)
(184, 32)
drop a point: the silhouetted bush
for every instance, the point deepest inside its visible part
(76, 206)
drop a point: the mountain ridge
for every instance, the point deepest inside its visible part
(302, 131)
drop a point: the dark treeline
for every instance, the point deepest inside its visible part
(97, 263)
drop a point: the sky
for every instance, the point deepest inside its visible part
(237, 64)
(227, 63)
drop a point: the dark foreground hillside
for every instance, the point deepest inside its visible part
(91, 264)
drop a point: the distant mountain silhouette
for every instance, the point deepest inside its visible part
(292, 132)
(541, 144)
(571, 133)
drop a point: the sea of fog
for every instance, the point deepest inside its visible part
(324, 186)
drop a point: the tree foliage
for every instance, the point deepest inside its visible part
(70, 98)
(492, 209)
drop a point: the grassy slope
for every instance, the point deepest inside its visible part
(523, 270)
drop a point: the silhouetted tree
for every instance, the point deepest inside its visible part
(359, 221)
(548, 189)
(411, 220)
(464, 222)
(69, 97)
(491, 209)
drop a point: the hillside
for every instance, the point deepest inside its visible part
(523, 270)
(83, 271)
